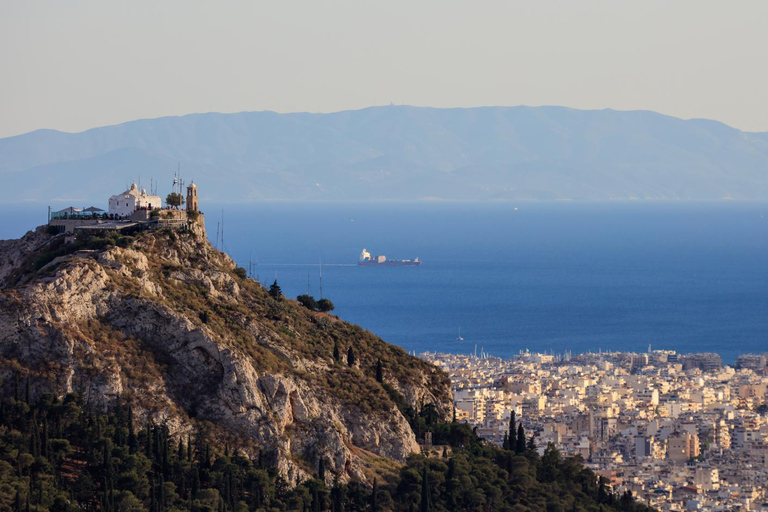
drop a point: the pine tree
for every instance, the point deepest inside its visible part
(379, 372)
(275, 292)
(350, 357)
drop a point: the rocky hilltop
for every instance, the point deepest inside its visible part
(165, 322)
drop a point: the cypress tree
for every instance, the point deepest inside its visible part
(520, 446)
(161, 494)
(379, 372)
(148, 447)
(27, 392)
(158, 444)
(425, 505)
(512, 432)
(350, 357)
(531, 446)
(34, 437)
(374, 496)
(107, 459)
(132, 441)
(152, 495)
(337, 498)
(195, 481)
(321, 470)
(44, 444)
(207, 456)
(16, 395)
(180, 451)
(166, 455)
(230, 490)
(505, 443)
(450, 485)
(336, 353)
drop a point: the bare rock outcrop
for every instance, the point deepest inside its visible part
(168, 323)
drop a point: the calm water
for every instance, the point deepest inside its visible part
(547, 277)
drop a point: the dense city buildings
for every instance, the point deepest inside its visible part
(682, 432)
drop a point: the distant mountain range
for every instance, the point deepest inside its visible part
(396, 153)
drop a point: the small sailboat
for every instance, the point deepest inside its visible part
(460, 338)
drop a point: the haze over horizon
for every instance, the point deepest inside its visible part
(87, 64)
(399, 153)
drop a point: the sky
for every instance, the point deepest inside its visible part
(78, 64)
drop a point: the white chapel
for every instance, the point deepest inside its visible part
(131, 200)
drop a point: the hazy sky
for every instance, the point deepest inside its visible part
(73, 65)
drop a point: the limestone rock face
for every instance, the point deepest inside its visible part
(168, 324)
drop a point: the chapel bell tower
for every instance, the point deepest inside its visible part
(192, 197)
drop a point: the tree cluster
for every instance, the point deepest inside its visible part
(310, 303)
(174, 199)
(56, 455)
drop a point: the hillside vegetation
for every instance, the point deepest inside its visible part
(173, 327)
(149, 374)
(58, 456)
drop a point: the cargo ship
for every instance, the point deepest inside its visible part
(366, 260)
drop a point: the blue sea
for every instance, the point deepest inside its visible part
(549, 277)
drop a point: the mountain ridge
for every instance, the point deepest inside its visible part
(403, 153)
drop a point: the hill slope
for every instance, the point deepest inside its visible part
(168, 324)
(399, 153)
